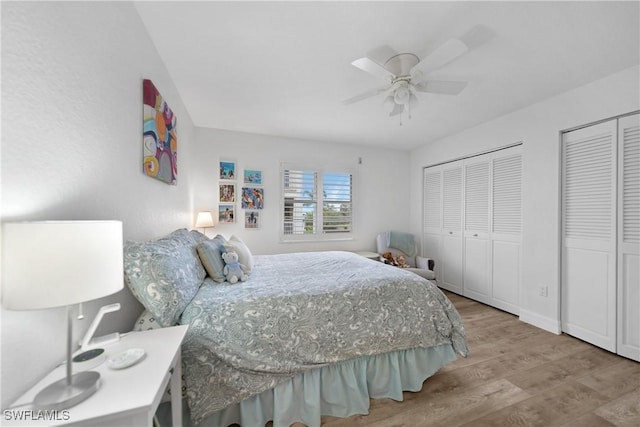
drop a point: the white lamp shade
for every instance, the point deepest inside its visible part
(58, 263)
(204, 219)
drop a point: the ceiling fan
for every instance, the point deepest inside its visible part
(404, 72)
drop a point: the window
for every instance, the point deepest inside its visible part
(316, 205)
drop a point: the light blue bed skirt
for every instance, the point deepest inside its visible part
(339, 390)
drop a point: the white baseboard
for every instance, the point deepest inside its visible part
(548, 324)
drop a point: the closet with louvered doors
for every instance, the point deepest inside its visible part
(472, 226)
(601, 235)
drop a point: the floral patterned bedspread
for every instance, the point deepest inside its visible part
(302, 311)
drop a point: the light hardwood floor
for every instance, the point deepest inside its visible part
(515, 375)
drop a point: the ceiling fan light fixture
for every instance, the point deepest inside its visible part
(389, 103)
(401, 95)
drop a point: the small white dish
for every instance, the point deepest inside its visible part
(125, 359)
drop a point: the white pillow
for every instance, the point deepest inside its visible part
(244, 254)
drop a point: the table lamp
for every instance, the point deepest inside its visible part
(60, 263)
(204, 220)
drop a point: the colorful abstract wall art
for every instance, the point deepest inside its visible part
(160, 159)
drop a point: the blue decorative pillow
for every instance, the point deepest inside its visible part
(197, 236)
(210, 253)
(164, 275)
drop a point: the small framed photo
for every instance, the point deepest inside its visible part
(251, 219)
(226, 213)
(252, 198)
(228, 170)
(227, 193)
(252, 177)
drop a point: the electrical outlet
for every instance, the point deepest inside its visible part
(543, 291)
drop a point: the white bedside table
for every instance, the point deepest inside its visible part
(127, 397)
(371, 255)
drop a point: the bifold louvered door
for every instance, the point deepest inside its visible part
(443, 223)
(477, 248)
(506, 229)
(628, 331)
(432, 211)
(493, 221)
(472, 226)
(589, 234)
(600, 235)
(452, 189)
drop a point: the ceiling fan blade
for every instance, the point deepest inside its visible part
(381, 54)
(364, 95)
(370, 66)
(445, 53)
(477, 35)
(440, 86)
(397, 109)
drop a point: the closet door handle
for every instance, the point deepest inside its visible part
(475, 235)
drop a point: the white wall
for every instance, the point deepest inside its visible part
(382, 190)
(538, 127)
(72, 149)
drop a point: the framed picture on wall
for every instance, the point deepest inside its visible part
(227, 193)
(252, 198)
(226, 213)
(227, 170)
(252, 219)
(252, 177)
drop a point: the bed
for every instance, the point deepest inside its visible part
(308, 334)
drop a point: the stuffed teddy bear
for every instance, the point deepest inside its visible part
(401, 261)
(233, 270)
(388, 258)
(398, 261)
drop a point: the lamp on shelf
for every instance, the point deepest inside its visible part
(204, 220)
(61, 263)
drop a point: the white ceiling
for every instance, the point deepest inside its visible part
(283, 68)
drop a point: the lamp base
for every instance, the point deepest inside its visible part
(60, 395)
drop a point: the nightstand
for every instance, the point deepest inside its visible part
(126, 397)
(371, 255)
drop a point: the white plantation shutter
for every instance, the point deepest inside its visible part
(631, 184)
(432, 207)
(588, 181)
(452, 199)
(300, 199)
(507, 194)
(337, 202)
(477, 196)
(316, 205)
